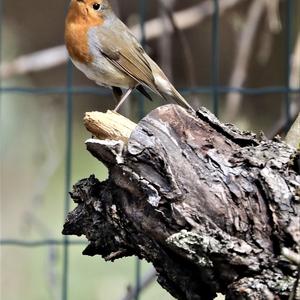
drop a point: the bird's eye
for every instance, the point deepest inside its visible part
(96, 6)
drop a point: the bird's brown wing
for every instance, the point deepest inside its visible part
(125, 53)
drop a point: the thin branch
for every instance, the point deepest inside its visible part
(145, 282)
(165, 41)
(34, 62)
(244, 53)
(293, 136)
(186, 18)
(187, 52)
(274, 21)
(295, 73)
(280, 126)
(274, 26)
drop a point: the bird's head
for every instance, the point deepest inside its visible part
(93, 11)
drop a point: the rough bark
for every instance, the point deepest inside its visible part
(211, 207)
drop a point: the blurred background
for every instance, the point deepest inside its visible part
(239, 58)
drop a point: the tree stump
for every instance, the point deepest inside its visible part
(209, 206)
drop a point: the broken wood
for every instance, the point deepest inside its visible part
(109, 125)
(209, 206)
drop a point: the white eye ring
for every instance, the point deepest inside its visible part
(97, 6)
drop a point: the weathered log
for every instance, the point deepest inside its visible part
(209, 206)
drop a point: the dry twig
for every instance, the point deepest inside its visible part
(109, 125)
(243, 56)
(145, 282)
(293, 136)
(280, 126)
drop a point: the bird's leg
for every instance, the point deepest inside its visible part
(117, 92)
(141, 89)
(123, 99)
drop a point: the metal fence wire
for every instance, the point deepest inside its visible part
(215, 90)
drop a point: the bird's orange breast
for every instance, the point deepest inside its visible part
(76, 34)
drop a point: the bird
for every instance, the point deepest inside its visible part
(103, 48)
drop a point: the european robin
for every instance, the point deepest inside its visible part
(104, 49)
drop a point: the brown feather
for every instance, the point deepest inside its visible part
(124, 52)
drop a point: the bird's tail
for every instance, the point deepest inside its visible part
(172, 93)
(163, 86)
(179, 99)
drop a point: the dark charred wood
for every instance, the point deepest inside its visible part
(208, 205)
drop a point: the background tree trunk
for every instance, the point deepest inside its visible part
(211, 207)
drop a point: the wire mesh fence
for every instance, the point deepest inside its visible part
(215, 90)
